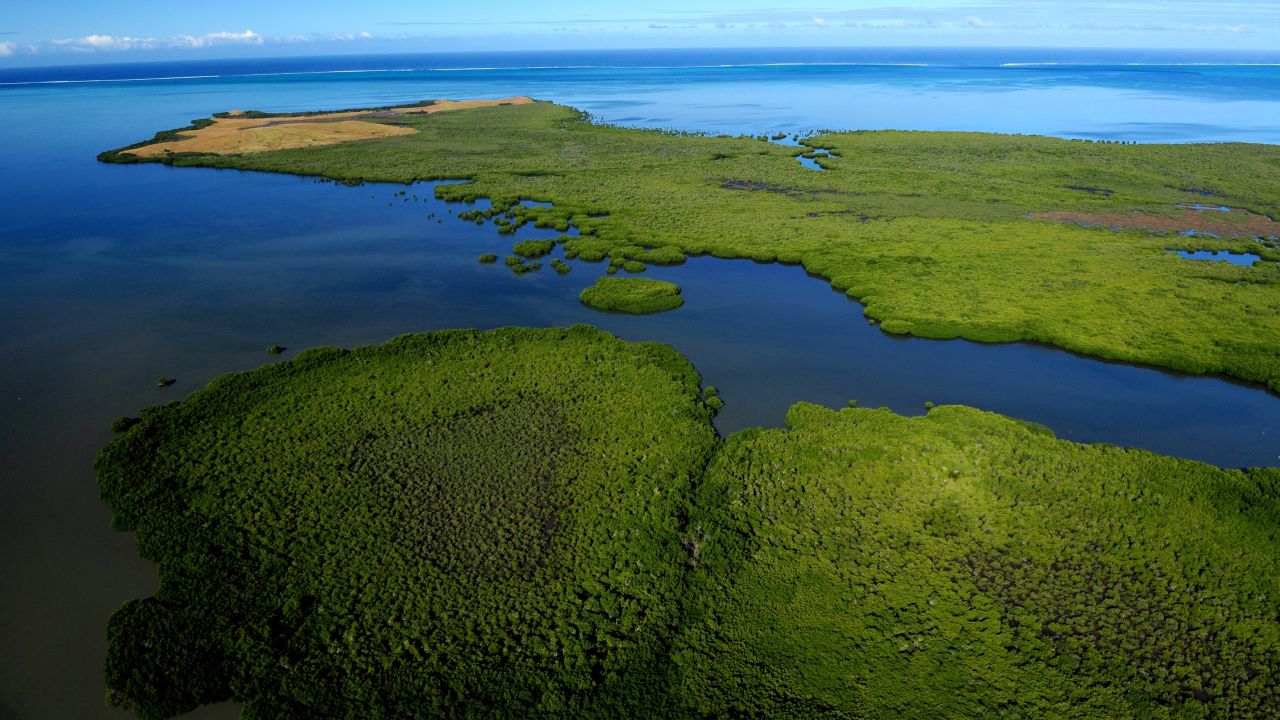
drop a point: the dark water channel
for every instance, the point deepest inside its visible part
(113, 276)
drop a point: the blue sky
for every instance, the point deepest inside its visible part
(140, 30)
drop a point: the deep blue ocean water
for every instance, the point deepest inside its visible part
(115, 275)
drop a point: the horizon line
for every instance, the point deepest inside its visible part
(571, 51)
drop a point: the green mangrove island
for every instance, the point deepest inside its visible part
(993, 238)
(638, 296)
(543, 523)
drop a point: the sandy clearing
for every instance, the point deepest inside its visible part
(236, 134)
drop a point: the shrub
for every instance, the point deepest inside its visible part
(632, 295)
(534, 248)
(666, 255)
(123, 423)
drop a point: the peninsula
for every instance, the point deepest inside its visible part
(993, 238)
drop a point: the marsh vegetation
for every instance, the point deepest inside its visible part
(941, 235)
(543, 523)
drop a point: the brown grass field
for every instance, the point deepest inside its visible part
(236, 135)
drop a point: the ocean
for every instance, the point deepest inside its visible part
(115, 275)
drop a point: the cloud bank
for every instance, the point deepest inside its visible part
(1227, 24)
(103, 43)
(122, 43)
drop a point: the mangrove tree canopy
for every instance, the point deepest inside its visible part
(542, 523)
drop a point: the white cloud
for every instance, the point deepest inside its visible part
(820, 22)
(974, 21)
(91, 43)
(333, 37)
(121, 43)
(248, 37)
(7, 49)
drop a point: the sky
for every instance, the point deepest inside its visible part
(82, 31)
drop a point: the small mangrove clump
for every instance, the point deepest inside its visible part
(164, 382)
(488, 258)
(123, 423)
(561, 266)
(533, 248)
(711, 398)
(275, 349)
(665, 255)
(637, 296)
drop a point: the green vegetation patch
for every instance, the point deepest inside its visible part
(533, 248)
(866, 565)
(638, 296)
(524, 523)
(450, 524)
(937, 233)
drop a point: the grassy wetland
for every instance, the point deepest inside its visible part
(994, 238)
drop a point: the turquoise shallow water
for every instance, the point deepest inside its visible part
(114, 275)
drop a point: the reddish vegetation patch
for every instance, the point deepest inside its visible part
(1237, 223)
